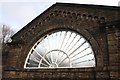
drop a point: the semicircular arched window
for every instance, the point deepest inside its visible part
(60, 49)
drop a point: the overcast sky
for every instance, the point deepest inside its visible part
(18, 13)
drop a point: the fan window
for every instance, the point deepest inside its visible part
(61, 49)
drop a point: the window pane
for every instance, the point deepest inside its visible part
(61, 49)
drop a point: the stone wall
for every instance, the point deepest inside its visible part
(113, 36)
(100, 26)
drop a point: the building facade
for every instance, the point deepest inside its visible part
(99, 25)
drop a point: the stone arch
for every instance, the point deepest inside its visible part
(96, 23)
(79, 30)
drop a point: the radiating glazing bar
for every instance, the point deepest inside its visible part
(72, 52)
(83, 61)
(81, 56)
(80, 51)
(69, 43)
(48, 59)
(61, 46)
(74, 44)
(45, 65)
(41, 57)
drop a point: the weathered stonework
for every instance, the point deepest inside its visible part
(100, 25)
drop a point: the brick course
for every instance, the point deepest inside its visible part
(100, 25)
